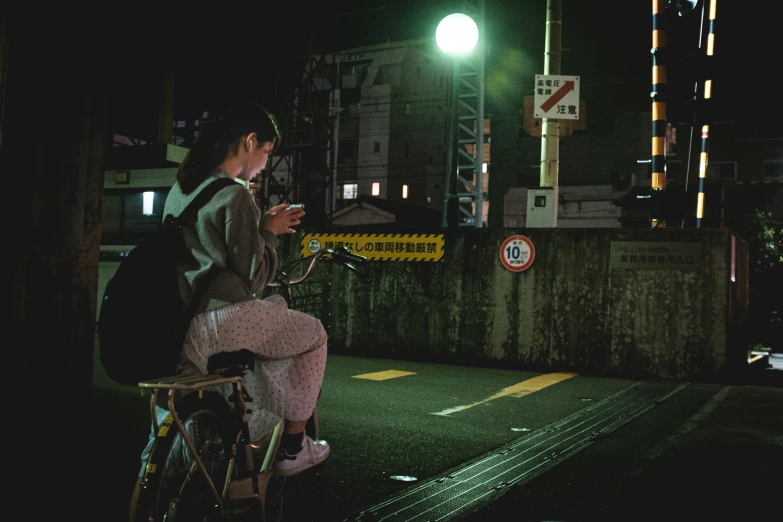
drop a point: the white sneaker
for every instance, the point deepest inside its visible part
(313, 452)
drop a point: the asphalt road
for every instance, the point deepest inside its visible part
(432, 422)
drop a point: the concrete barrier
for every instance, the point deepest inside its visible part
(667, 303)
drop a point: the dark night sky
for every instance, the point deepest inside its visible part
(222, 57)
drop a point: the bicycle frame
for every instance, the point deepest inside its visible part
(253, 486)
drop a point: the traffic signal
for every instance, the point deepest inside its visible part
(684, 7)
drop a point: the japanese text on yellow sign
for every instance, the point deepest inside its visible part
(380, 247)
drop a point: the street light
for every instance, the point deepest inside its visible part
(456, 35)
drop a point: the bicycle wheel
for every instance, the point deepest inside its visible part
(173, 488)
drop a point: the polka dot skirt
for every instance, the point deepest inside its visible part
(291, 350)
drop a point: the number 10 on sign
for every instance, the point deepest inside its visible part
(517, 253)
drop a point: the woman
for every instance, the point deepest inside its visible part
(235, 244)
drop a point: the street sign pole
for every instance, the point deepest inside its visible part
(550, 128)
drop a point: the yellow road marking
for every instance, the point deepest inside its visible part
(517, 390)
(382, 376)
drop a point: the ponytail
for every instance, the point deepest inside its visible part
(216, 139)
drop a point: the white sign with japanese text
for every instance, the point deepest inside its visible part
(556, 97)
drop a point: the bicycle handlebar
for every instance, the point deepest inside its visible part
(341, 255)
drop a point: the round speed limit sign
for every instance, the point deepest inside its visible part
(517, 253)
(314, 246)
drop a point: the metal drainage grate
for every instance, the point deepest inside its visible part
(485, 478)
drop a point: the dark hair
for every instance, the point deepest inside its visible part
(218, 137)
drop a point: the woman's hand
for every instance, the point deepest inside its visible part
(278, 220)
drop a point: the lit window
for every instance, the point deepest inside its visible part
(149, 199)
(484, 168)
(129, 217)
(376, 189)
(349, 190)
(405, 192)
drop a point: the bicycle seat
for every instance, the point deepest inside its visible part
(231, 362)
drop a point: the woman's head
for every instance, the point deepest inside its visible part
(242, 139)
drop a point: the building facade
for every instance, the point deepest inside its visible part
(744, 168)
(391, 133)
(389, 112)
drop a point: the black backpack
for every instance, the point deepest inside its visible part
(143, 320)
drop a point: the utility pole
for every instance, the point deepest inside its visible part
(550, 128)
(450, 212)
(463, 194)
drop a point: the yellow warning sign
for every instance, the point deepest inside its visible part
(380, 247)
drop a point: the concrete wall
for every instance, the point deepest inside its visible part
(578, 307)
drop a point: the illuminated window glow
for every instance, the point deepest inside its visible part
(146, 207)
(733, 260)
(350, 190)
(405, 192)
(376, 189)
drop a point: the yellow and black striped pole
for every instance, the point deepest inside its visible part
(705, 136)
(658, 94)
(705, 129)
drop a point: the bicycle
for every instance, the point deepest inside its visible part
(203, 465)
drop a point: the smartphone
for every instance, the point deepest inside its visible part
(295, 205)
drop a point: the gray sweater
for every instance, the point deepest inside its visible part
(226, 239)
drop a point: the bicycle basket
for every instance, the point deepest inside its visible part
(310, 297)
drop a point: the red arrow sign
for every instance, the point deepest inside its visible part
(567, 87)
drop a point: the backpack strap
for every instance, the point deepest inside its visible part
(203, 197)
(199, 201)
